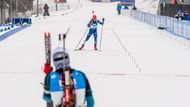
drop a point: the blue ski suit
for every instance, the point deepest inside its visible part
(52, 84)
(93, 29)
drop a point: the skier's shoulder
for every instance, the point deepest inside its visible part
(98, 21)
(91, 21)
(78, 72)
(79, 78)
(53, 74)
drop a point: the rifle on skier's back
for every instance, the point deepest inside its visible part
(69, 98)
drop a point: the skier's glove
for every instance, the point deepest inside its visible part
(47, 68)
(103, 19)
(90, 101)
(47, 98)
(88, 25)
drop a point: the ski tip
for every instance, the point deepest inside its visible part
(45, 35)
(97, 50)
(48, 33)
(87, 50)
(77, 49)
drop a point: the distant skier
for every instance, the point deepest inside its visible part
(80, 87)
(119, 8)
(126, 7)
(46, 10)
(92, 31)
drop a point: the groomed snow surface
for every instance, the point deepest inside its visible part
(138, 65)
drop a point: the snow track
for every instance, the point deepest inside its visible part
(139, 66)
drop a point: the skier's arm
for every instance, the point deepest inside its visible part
(89, 96)
(47, 82)
(90, 23)
(101, 22)
(47, 95)
(88, 93)
(88, 88)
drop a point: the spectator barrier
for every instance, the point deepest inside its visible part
(11, 32)
(21, 21)
(17, 25)
(178, 27)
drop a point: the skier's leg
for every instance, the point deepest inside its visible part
(119, 12)
(87, 38)
(95, 40)
(49, 104)
(45, 13)
(48, 13)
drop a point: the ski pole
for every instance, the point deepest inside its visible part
(59, 38)
(81, 39)
(64, 36)
(101, 37)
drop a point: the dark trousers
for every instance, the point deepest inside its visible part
(46, 13)
(92, 32)
(119, 12)
(49, 104)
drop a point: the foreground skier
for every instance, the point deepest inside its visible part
(55, 82)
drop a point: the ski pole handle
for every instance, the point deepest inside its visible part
(59, 37)
(64, 36)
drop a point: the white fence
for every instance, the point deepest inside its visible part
(178, 27)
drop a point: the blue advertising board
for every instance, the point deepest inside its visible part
(20, 21)
(127, 2)
(96, 0)
(115, 0)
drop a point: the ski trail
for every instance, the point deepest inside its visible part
(127, 51)
(114, 78)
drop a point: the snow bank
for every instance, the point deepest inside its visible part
(150, 6)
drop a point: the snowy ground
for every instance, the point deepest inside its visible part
(149, 6)
(139, 65)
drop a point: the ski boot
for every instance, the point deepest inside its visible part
(95, 47)
(81, 47)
